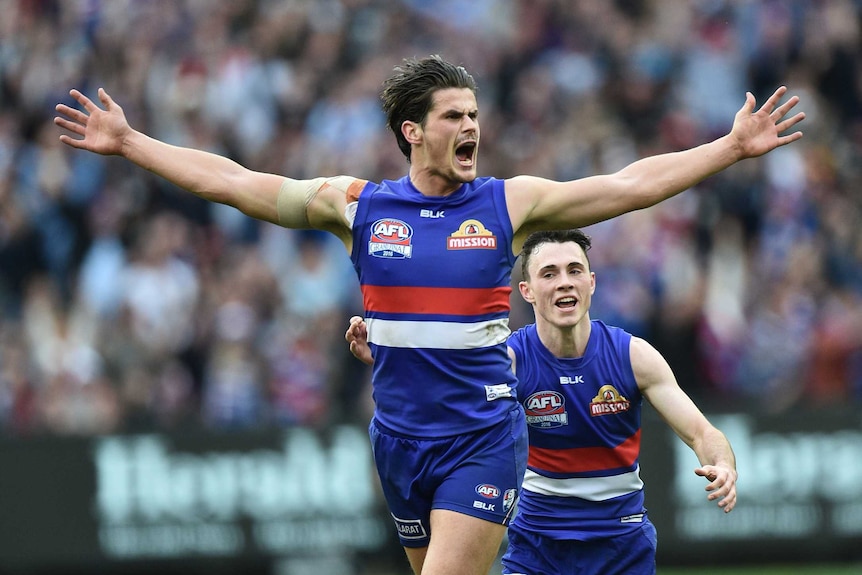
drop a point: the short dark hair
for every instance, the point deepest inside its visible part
(408, 93)
(536, 239)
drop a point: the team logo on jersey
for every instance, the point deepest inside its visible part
(608, 401)
(390, 238)
(546, 409)
(472, 235)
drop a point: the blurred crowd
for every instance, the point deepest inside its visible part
(126, 304)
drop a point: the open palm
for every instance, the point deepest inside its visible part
(760, 132)
(103, 130)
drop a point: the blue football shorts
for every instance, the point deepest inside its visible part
(477, 474)
(632, 553)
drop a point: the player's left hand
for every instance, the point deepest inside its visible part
(758, 132)
(722, 485)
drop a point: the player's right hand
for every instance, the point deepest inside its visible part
(357, 338)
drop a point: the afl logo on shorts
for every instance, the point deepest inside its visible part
(488, 491)
(390, 238)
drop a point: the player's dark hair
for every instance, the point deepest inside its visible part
(408, 93)
(536, 239)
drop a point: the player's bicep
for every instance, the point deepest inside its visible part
(541, 204)
(253, 193)
(658, 385)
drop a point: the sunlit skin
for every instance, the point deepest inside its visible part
(560, 286)
(452, 121)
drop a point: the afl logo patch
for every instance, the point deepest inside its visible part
(488, 491)
(546, 409)
(390, 238)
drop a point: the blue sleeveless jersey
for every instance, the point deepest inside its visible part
(435, 275)
(584, 422)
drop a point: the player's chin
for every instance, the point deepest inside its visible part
(565, 321)
(465, 173)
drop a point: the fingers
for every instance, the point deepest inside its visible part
(83, 100)
(790, 122)
(75, 127)
(76, 115)
(784, 140)
(355, 330)
(772, 101)
(704, 472)
(722, 486)
(748, 106)
(106, 100)
(785, 107)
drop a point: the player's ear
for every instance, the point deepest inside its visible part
(526, 292)
(412, 132)
(592, 283)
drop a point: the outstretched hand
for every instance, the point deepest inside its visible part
(722, 485)
(104, 130)
(357, 338)
(757, 133)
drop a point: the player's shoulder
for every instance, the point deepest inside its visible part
(525, 183)
(520, 338)
(351, 186)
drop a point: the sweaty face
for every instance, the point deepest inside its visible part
(560, 285)
(450, 137)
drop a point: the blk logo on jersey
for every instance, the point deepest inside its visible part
(471, 235)
(608, 401)
(546, 409)
(391, 238)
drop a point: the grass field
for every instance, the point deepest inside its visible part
(765, 570)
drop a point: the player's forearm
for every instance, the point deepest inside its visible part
(204, 174)
(713, 448)
(659, 177)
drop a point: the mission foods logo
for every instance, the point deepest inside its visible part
(546, 409)
(471, 235)
(390, 238)
(608, 401)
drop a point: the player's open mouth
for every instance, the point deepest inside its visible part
(464, 153)
(566, 302)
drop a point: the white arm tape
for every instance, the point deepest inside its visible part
(293, 199)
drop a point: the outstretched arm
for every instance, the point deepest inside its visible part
(536, 203)
(105, 130)
(658, 384)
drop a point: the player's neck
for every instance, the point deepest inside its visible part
(432, 183)
(565, 341)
